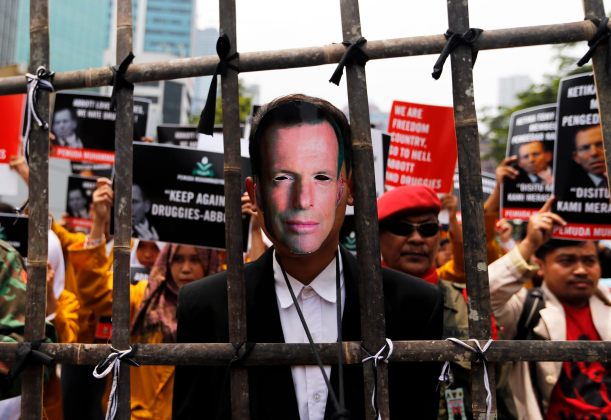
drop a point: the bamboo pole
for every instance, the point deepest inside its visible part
(595, 9)
(240, 407)
(371, 295)
(471, 197)
(123, 208)
(38, 222)
(313, 56)
(269, 354)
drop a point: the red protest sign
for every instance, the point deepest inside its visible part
(422, 147)
(10, 125)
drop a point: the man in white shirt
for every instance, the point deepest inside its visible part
(301, 158)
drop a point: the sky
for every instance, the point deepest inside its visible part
(266, 25)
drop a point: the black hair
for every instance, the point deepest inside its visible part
(296, 109)
(554, 244)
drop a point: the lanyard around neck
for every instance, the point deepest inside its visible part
(340, 411)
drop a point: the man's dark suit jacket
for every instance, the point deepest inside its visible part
(413, 312)
(579, 178)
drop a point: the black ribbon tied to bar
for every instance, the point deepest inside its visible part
(353, 54)
(28, 353)
(206, 119)
(603, 33)
(118, 79)
(453, 40)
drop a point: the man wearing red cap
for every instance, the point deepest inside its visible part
(409, 241)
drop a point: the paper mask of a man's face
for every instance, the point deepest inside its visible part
(300, 185)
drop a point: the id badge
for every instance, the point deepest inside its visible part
(103, 330)
(455, 399)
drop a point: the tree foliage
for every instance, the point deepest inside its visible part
(496, 121)
(245, 106)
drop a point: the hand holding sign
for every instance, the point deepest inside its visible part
(539, 229)
(506, 170)
(100, 205)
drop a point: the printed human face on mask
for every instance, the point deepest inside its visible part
(300, 188)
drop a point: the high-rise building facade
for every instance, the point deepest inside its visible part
(163, 26)
(8, 31)
(78, 33)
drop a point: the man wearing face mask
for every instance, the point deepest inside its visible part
(301, 158)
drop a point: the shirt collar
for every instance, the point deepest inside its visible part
(323, 284)
(596, 179)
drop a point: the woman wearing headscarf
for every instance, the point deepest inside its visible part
(152, 302)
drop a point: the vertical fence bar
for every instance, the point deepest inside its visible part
(233, 227)
(368, 246)
(471, 198)
(38, 222)
(602, 78)
(124, 134)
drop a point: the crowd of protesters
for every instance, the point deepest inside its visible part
(540, 288)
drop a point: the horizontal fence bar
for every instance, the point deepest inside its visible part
(219, 354)
(312, 56)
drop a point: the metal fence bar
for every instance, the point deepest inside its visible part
(471, 198)
(233, 228)
(371, 295)
(219, 354)
(38, 222)
(373, 323)
(595, 9)
(313, 56)
(124, 134)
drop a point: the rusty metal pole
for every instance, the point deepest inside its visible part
(233, 228)
(124, 133)
(38, 222)
(312, 56)
(471, 198)
(368, 244)
(595, 9)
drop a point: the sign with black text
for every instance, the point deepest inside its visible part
(178, 195)
(179, 135)
(581, 185)
(14, 230)
(84, 127)
(532, 134)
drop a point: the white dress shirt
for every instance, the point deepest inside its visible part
(318, 304)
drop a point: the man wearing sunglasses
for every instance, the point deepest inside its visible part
(409, 241)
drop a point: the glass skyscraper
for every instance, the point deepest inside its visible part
(78, 32)
(163, 26)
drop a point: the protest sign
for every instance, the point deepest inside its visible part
(347, 234)
(532, 134)
(78, 201)
(84, 127)
(581, 185)
(179, 135)
(10, 124)
(91, 169)
(422, 147)
(137, 274)
(178, 195)
(14, 230)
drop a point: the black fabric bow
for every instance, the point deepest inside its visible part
(353, 54)
(206, 119)
(118, 79)
(602, 33)
(454, 40)
(28, 352)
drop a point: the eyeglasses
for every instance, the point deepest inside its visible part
(400, 228)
